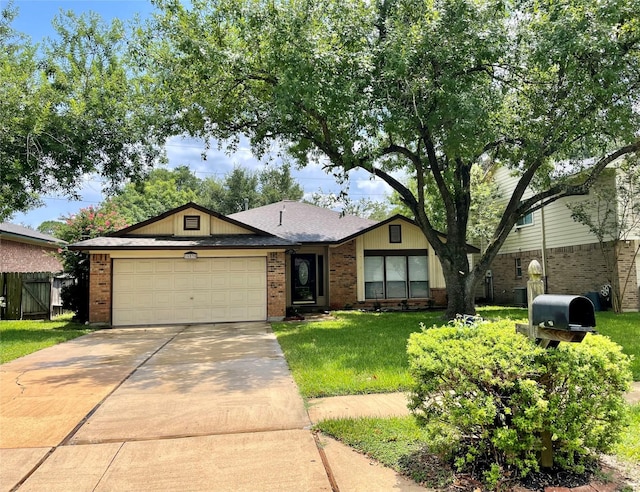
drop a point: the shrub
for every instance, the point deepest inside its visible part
(484, 393)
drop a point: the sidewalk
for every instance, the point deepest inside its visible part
(355, 472)
(386, 405)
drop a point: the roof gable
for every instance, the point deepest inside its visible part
(178, 223)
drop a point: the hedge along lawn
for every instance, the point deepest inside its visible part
(365, 352)
(18, 338)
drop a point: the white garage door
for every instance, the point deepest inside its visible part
(162, 291)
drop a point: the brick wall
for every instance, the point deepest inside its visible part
(23, 257)
(570, 270)
(627, 272)
(276, 286)
(100, 289)
(343, 276)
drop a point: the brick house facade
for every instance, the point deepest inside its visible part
(192, 265)
(25, 250)
(342, 276)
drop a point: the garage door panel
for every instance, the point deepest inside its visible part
(219, 299)
(183, 266)
(144, 266)
(165, 266)
(181, 282)
(124, 300)
(123, 267)
(238, 282)
(165, 316)
(202, 281)
(174, 290)
(163, 281)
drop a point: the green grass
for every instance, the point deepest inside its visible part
(624, 329)
(18, 338)
(629, 447)
(362, 352)
(395, 442)
(355, 353)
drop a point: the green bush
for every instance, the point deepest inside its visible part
(484, 393)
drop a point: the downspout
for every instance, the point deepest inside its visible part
(544, 251)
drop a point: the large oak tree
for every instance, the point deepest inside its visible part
(429, 87)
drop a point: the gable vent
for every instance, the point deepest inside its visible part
(191, 222)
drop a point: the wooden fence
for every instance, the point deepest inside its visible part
(27, 295)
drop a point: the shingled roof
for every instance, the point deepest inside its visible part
(235, 241)
(19, 232)
(303, 222)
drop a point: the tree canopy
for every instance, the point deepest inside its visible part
(242, 188)
(70, 107)
(429, 88)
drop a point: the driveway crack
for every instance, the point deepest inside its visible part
(106, 469)
(22, 386)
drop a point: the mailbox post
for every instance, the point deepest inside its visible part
(554, 319)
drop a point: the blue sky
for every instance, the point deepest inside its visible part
(34, 19)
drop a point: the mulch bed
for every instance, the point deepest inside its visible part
(430, 471)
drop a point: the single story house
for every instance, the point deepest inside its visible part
(193, 265)
(25, 250)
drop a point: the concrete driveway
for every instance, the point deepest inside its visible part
(204, 407)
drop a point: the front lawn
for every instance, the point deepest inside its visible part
(364, 352)
(399, 442)
(355, 353)
(18, 338)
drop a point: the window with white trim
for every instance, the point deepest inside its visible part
(525, 220)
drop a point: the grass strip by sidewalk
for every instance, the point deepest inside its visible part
(22, 337)
(397, 443)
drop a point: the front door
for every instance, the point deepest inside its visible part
(304, 279)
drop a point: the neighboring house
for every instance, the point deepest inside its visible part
(192, 265)
(569, 253)
(26, 250)
(28, 288)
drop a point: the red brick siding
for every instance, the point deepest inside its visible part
(100, 289)
(570, 270)
(343, 276)
(276, 286)
(23, 257)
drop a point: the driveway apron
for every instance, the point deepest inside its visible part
(200, 407)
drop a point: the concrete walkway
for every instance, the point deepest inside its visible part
(208, 407)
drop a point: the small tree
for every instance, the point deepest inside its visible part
(88, 223)
(612, 215)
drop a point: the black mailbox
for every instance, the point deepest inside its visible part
(563, 312)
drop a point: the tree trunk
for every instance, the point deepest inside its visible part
(461, 285)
